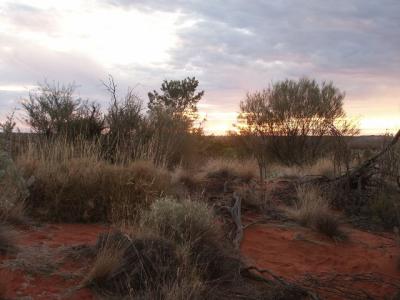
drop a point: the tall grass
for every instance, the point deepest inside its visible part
(74, 183)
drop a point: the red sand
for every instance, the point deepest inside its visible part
(20, 284)
(291, 252)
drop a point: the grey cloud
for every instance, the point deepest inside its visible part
(235, 46)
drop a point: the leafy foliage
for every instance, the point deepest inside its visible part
(53, 110)
(290, 120)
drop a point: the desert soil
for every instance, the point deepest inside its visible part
(40, 269)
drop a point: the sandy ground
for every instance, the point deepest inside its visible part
(293, 252)
(288, 250)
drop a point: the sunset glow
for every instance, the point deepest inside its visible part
(232, 49)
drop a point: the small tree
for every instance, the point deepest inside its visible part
(9, 124)
(290, 121)
(178, 97)
(172, 116)
(127, 125)
(53, 110)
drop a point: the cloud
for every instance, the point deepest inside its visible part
(231, 46)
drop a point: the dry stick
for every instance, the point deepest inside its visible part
(276, 279)
(235, 213)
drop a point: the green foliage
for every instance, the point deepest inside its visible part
(185, 222)
(178, 96)
(53, 110)
(288, 122)
(8, 126)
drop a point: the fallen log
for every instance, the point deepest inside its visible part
(353, 189)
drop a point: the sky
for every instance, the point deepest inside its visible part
(232, 47)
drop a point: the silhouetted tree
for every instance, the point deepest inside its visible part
(178, 97)
(52, 110)
(290, 120)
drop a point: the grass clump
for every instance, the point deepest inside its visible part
(312, 210)
(178, 252)
(223, 169)
(7, 240)
(86, 189)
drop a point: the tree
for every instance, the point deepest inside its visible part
(53, 110)
(172, 116)
(178, 97)
(128, 130)
(9, 124)
(291, 121)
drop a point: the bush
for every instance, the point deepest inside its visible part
(184, 222)
(52, 110)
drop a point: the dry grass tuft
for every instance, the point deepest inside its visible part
(39, 260)
(193, 225)
(309, 205)
(3, 286)
(177, 252)
(188, 179)
(14, 214)
(91, 190)
(323, 167)
(108, 260)
(7, 240)
(312, 210)
(243, 170)
(124, 264)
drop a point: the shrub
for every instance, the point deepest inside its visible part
(53, 110)
(184, 222)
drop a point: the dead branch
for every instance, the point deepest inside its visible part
(236, 216)
(353, 189)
